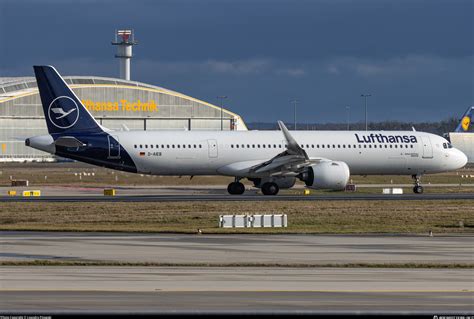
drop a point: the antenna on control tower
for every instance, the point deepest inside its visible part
(124, 40)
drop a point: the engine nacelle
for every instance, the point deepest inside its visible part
(327, 175)
(282, 182)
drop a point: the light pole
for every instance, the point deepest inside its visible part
(365, 96)
(294, 101)
(348, 111)
(222, 97)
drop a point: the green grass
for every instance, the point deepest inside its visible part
(311, 217)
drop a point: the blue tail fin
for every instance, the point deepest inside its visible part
(63, 111)
(466, 120)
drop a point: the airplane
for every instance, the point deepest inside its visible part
(466, 120)
(272, 160)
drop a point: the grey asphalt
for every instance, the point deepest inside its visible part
(234, 289)
(233, 248)
(247, 289)
(224, 198)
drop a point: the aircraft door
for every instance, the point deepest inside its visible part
(427, 149)
(213, 152)
(114, 146)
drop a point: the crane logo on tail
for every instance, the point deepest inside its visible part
(466, 121)
(63, 112)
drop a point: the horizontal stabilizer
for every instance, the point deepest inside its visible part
(68, 141)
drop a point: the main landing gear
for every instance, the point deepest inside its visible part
(270, 188)
(236, 188)
(417, 189)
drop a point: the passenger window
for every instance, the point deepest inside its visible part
(231, 145)
(178, 146)
(274, 146)
(146, 145)
(135, 146)
(322, 145)
(348, 145)
(141, 146)
(263, 145)
(200, 146)
(236, 145)
(151, 145)
(370, 146)
(391, 146)
(365, 146)
(411, 146)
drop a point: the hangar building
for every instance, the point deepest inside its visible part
(115, 103)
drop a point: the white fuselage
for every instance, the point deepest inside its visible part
(223, 153)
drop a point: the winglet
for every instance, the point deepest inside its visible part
(293, 147)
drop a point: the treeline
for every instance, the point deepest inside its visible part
(439, 128)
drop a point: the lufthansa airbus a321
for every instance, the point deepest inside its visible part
(272, 160)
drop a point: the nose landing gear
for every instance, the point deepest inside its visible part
(417, 189)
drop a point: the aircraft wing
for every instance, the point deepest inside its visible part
(290, 162)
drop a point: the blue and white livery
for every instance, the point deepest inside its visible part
(272, 160)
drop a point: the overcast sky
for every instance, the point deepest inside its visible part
(415, 57)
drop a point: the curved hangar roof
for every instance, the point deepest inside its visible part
(110, 99)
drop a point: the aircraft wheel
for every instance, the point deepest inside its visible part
(236, 188)
(418, 189)
(270, 189)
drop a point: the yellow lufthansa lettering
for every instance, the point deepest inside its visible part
(124, 105)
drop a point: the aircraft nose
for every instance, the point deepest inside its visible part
(461, 159)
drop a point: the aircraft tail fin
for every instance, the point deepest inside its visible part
(466, 120)
(63, 111)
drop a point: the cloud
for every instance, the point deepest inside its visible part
(411, 65)
(253, 66)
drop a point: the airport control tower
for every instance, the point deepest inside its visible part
(124, 40)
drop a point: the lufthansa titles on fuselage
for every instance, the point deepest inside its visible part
(382, 138)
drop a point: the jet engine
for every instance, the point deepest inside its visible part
(327, 175)
(282, 182)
